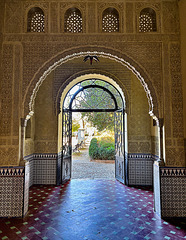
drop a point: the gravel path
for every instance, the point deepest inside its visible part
(83, 168)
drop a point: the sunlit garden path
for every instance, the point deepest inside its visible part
(83, 167)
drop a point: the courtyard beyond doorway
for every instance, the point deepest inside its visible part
(84, 168)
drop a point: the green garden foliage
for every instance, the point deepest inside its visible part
(100, 120)
(103, 149)
(93, 149)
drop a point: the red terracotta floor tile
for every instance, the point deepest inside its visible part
(91, 210)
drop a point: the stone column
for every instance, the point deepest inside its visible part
(156, 170)
(161, 145)
(22, 142)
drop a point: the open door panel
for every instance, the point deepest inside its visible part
(119, 146)
(67, 146)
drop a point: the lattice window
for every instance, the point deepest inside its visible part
(93, 94)
(110, 20)
(73, 21)
(36, 20)
(147, 20)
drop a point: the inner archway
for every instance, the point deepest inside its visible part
(143, 145)
(97, 96)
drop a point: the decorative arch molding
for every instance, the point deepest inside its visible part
(84, 75)
(81, 52)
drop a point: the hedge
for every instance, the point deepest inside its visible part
(103, 149)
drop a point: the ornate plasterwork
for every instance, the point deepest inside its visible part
(177, 95)
(9, 156)
(111, 38)
(173, 102)
(141, 5)
(129, 17)
(170, 16)
(129, 64)
(174, 147)
(45, 146)
(13, 18)
(6, 90)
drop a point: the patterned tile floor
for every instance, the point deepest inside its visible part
(91, 210)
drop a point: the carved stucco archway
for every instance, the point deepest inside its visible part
(121, 58)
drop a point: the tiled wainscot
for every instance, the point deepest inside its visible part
(42, 168)
(170, 201)
(140, 169)
(14, 191)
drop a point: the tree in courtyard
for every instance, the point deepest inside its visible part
(100, 120)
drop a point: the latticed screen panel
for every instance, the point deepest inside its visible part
(67, 134)
(93, 97)
(147, 20)
(36, 20)
(110, 20)
(119, 133)
(73, 21)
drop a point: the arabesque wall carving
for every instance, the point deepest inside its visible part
(177, 95)
(107, 52)
(170, 15)
(54, 22)
(6, 90)
(45, 146)
(9, 156)
(175, 146)
(129, 17)
(13, 17)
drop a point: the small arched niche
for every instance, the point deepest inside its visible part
(36, 20)
(73, 21)
(110, 20)
(147, 20)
